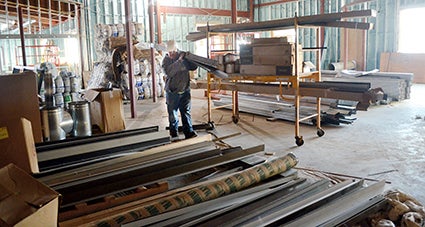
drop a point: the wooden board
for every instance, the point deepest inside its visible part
(112, 201)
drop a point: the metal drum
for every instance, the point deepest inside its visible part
(80, 113)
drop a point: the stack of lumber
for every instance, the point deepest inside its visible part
(396, 86)
(270, 56)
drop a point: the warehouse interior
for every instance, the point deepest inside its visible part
(306, 113)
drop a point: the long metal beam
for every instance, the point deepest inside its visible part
(75, 155)
(234, 217)
(332, 211)
(274, 3)
(89, 189)
(200, 11)
(313, 20)
(306, 203)
(97, 146)
(39, 36)
(52, 145)
(121, 164)
(237, 199)
(323, 90)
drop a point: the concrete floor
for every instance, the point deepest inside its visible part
(386, 142)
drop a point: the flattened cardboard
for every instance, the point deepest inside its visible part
(18, 98)
(25, 201)
(17, 144)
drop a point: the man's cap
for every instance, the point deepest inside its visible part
(171, 45)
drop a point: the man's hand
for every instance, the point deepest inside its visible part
(182, 55)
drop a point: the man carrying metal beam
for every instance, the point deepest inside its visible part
(177, 87)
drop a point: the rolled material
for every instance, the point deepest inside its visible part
(233, 183)
(338, 66)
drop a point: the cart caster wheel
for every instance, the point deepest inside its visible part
(211, 125)
(320, 132)
(299, 140)
(235, 119)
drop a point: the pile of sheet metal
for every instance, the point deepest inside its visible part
(73, 152)
(395, 86)
(209, 185)
(210, 65)
(359, 92)
(272, 193)
(276, 108)
(266, 192)
(143, 163)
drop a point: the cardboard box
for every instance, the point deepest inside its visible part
(106, 109)
(24, 201)
(274, 53)
(286, 60)
(270, 40)
(267, 70)
(274, 49)
(18, 98)
(17, 144)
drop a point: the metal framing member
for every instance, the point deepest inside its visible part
(233, 217)
(47, 146)
(361, 214)
(56, 159)
(39, 36)
(61, 164)
(145, 175)
(130, 58)
(126, 162)
(233, 200)
(207, 191)
(332, 213)
(325, 92)
(87, 189)
(305, 203)
(313, 20)
(100, 145)
(21, 34)
(152, 40)
(199, 11)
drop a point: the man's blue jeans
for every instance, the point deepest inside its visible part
(179, 102)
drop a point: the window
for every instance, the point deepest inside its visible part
(411, 32)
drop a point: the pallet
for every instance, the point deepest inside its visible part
(112, 200)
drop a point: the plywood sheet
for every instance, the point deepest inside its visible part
(406, 63)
